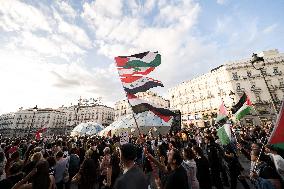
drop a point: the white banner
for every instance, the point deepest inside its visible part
(124, 137)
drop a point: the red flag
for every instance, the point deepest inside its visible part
(41, 130)
(277, 135)
(37, 136)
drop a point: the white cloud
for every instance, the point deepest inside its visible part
(221, 2)
(270, 28)
(18, 16)
(30, 80)
(74, 33)
(47, 34)
(130, 33)
(66, 9)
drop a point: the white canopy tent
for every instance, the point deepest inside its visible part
(89, 128)
(146, 121)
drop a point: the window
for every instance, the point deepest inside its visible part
(263, 71)
(235, 76)
(252, 85)
(275, 70)
(249, 73)
(281, 81)
(238, 86)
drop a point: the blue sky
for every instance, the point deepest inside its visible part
(53, 52)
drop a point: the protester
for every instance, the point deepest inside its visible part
(104, 165)
(178, 177)
(175, 160)
(15, 175)
(215, 161)
(132, 176)
(263, 173)
(61, 168)
(235, 167)
(39, 176)
(277, 160)
(189, 165)
(203, 173)
(3, 162)
(86, 178)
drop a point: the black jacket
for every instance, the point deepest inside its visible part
(133, 178)
(177, 179)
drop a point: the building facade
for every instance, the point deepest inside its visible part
(199, 99)
(123, 108)
(6, 124)
(57, 121)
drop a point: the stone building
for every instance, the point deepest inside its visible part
(199, 99)
(57, 121)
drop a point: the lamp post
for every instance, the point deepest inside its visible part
(32, 124)
(256, 61)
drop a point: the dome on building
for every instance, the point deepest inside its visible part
(145, 121)
(89, 128)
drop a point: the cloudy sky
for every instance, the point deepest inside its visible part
(52, 51)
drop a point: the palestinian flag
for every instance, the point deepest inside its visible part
(244, 110)
(225, 135)
(277, 136)
(223, 113)
(138, 61)
(139, 106)
(141, 85)
(241, 102)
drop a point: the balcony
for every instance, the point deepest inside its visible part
(240, 90)
(272, 88)
(256, 89)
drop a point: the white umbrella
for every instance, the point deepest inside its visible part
(89, 128)
(145, 122)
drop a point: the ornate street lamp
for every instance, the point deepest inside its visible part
(259, 64)
(33, 120)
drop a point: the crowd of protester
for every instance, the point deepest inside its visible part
(190, 159)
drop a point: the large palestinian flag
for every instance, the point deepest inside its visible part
(139, 106)
(277, 135)
(244, 110)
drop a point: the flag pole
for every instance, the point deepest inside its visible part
(139, 132)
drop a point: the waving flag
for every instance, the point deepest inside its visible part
(142, 84)
(39, 132)
(224, 134)
(241, 102)
(132, 71)
(244, 110)
(277, 135)
(223, 113)
(139, 106)
(146, 59)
